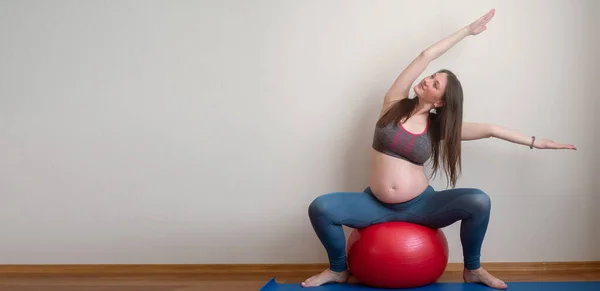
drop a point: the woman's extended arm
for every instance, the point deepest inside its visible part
(401, 86)
(473, 131)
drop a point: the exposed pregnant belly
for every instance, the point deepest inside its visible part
(395, 180)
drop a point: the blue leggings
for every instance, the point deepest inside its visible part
(435, 209)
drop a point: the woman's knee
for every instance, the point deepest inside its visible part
(480, 201)
(322, 205)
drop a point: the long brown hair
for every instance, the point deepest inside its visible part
(444, 126)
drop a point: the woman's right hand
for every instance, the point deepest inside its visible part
(550, 144)
(479, 25)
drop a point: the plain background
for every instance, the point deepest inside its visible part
(200, 131)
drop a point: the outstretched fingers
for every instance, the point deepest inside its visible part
(568, 147)
(488, 16)
(483, 20)
(554, 145)
(479, 25)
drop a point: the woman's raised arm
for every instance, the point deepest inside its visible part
(402, 85)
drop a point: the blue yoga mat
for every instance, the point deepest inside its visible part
(272, 285)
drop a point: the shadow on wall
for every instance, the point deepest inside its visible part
(356, 162)
(594, 197)
(357, 158)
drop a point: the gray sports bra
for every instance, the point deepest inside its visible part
(396, 141)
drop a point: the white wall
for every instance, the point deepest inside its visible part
(199, 131)
(594, 47)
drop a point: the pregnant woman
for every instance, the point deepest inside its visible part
(408, 133)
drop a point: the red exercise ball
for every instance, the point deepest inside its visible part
(397, 255)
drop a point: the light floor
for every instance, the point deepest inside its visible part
(224, 282)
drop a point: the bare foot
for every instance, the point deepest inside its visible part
(326, 276)
(482, 276)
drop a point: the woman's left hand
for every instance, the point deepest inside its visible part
(549, 144)
(478, 26)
